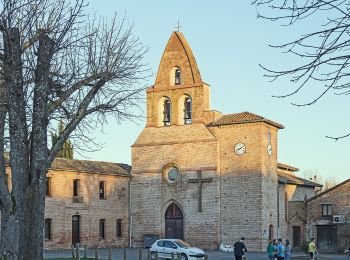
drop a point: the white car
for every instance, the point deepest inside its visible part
(165, 247)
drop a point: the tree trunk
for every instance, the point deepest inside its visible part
(22, 232)
(31, 242)
(9, 236)
(14, 210)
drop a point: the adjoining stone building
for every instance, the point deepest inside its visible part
(292, 193)
(86, 203)
(198, 174)
(328, 218)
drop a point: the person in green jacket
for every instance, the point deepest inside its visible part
(312, 249)
(270, 250)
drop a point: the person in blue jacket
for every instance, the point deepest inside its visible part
(280, 250)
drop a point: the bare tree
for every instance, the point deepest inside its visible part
(329, 183)
(57, 64)
(312, 175)
(324, 52)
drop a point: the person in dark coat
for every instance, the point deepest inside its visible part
(240, 249)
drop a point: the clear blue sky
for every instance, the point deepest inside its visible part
(229, 42)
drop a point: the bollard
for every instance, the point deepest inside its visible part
(148, 255)
(109, 253)
(96, 253)
(140, 254)
(124, 257)
(77, 249)
(178, 256)
(85, 251)
(172, 256)
(205, 257)
(73, 255)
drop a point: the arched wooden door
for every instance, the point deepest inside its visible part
(174, 222)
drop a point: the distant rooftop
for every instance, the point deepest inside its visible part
(286, 167)
(97, 167)
(286, 178)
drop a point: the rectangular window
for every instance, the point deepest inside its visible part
(48, 186)
(76, 187)
(102, 190)
(47, 229)
(119, 228)
(326, 210)
(102, 228)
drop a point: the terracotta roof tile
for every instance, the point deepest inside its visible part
(241, 118)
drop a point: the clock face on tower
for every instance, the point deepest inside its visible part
(240, 148)
(269, 149)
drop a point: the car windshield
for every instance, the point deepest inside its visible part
(182, 244)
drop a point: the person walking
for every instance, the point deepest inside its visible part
(312, 249)
(270, 250)
(239, 249)
(347, 252)
(280, 250)
(287, 252)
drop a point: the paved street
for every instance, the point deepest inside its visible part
(132, 254)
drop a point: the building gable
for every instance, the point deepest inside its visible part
(177, 54)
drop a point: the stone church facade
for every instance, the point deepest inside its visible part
(198, 174)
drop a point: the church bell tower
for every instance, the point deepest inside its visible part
(179, 96)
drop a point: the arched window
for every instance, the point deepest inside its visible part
(177, 76)
(188, 110)
(167, 112)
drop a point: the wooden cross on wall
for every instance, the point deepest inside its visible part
(200, 182)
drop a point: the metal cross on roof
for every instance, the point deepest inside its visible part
(178, 26)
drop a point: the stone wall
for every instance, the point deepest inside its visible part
(60, 209)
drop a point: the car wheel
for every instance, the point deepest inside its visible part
(183, 257)
(153, 255)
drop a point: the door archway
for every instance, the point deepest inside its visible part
(271, 234)
(174, 222)
(75, 229)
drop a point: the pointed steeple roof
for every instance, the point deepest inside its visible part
(177, 53)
